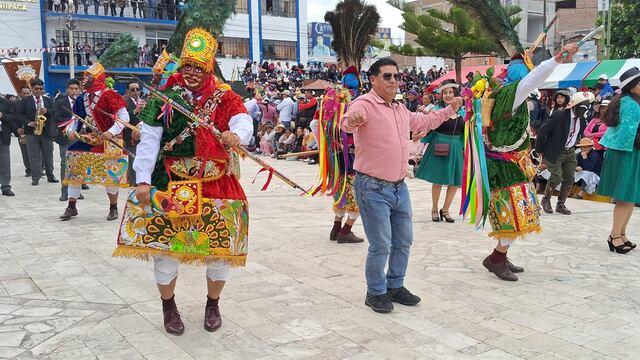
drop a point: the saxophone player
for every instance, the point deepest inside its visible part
(39, 147)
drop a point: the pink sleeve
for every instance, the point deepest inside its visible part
(587, 131)
(356, 106)
(427, 122)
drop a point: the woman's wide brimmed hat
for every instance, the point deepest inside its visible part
(628, 77)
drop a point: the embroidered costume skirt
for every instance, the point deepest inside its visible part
(514, 211)
(345, 200)
(620, 176)
(101, 165)
(185, 222)
(443, 170)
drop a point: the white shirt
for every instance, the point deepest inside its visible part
(574, 129)
(149, 146)
(285, 109)
(534, 80)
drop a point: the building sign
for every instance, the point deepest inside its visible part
(320, 37)
(17, 5)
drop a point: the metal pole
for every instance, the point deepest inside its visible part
(608, 41)
(71, 26)
(544, 23)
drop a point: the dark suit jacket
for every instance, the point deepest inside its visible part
(26, 113)
(9, 124)
(133, 120)
(62, 111)
(553, 134)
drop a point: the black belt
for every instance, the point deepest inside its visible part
(379, 181)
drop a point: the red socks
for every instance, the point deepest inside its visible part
(346, 229)
(497, 257)
(337, 225)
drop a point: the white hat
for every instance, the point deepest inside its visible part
(603, 76)
(578, 98)
(628, 76)
(286, 93)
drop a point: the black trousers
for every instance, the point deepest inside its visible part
(40, 150)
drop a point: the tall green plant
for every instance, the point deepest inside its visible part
(453, 35)
(625, 27)
(354, 25)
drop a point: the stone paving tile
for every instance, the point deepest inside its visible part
(62, 295)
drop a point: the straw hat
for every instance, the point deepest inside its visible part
(585, 141)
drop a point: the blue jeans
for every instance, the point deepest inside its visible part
(386, 217)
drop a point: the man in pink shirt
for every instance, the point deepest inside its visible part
(380, 127)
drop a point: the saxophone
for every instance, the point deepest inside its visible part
(40, 120)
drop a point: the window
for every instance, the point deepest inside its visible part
(283, 8)
(278, 50)
(94, 38)
(233, 47)
(242, 6)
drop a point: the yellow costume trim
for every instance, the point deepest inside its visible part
(147, 254)
(199, 49)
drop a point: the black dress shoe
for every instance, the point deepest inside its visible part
(64, 197)
(113, 214)
(173, 323)
(27, 174)
(403, 296)
(68, 214)
(212, 318)
(8, 193)
(85, 187)
(379, 303)
(35, 182)
(80, 197)
(52, 180)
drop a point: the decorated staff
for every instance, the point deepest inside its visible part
(196, 121)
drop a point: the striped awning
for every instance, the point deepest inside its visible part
(613, 69)
(569, 75)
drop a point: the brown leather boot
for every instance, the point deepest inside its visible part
(212, 318)
(500, 269)
(69, 213)
(546, 199)
(113, 214)
(172, 322)
(350, 238)
(565, 189)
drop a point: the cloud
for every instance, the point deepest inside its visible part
(390, 16)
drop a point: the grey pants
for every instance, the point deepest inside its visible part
(131, 176)
(564, 168)
(40, 150)
(25, 159)
(5, 167)
(63, 166)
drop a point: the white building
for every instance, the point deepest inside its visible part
(259, 30)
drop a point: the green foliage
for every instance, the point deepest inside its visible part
(625, 27)
(121, 53)
(497, 22)
(207, 14)
(354, 25)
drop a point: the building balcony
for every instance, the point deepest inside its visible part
(112, 19)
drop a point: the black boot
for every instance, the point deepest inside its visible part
(565, 189)
(546, 199)
(113, 212)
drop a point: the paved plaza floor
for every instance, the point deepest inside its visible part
(62, 295)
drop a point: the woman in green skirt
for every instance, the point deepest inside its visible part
(620, 177)
(443, 160)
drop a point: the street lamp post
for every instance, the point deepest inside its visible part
(71, 25)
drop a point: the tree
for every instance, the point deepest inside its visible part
(354, 25)
(452, 35)
(625, 27)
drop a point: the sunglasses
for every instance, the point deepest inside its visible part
(134, 89)
(388, 76)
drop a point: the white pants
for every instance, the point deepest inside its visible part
(350, 214)
(74, 190)
(165, 269)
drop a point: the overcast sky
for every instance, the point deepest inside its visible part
(391, 17)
